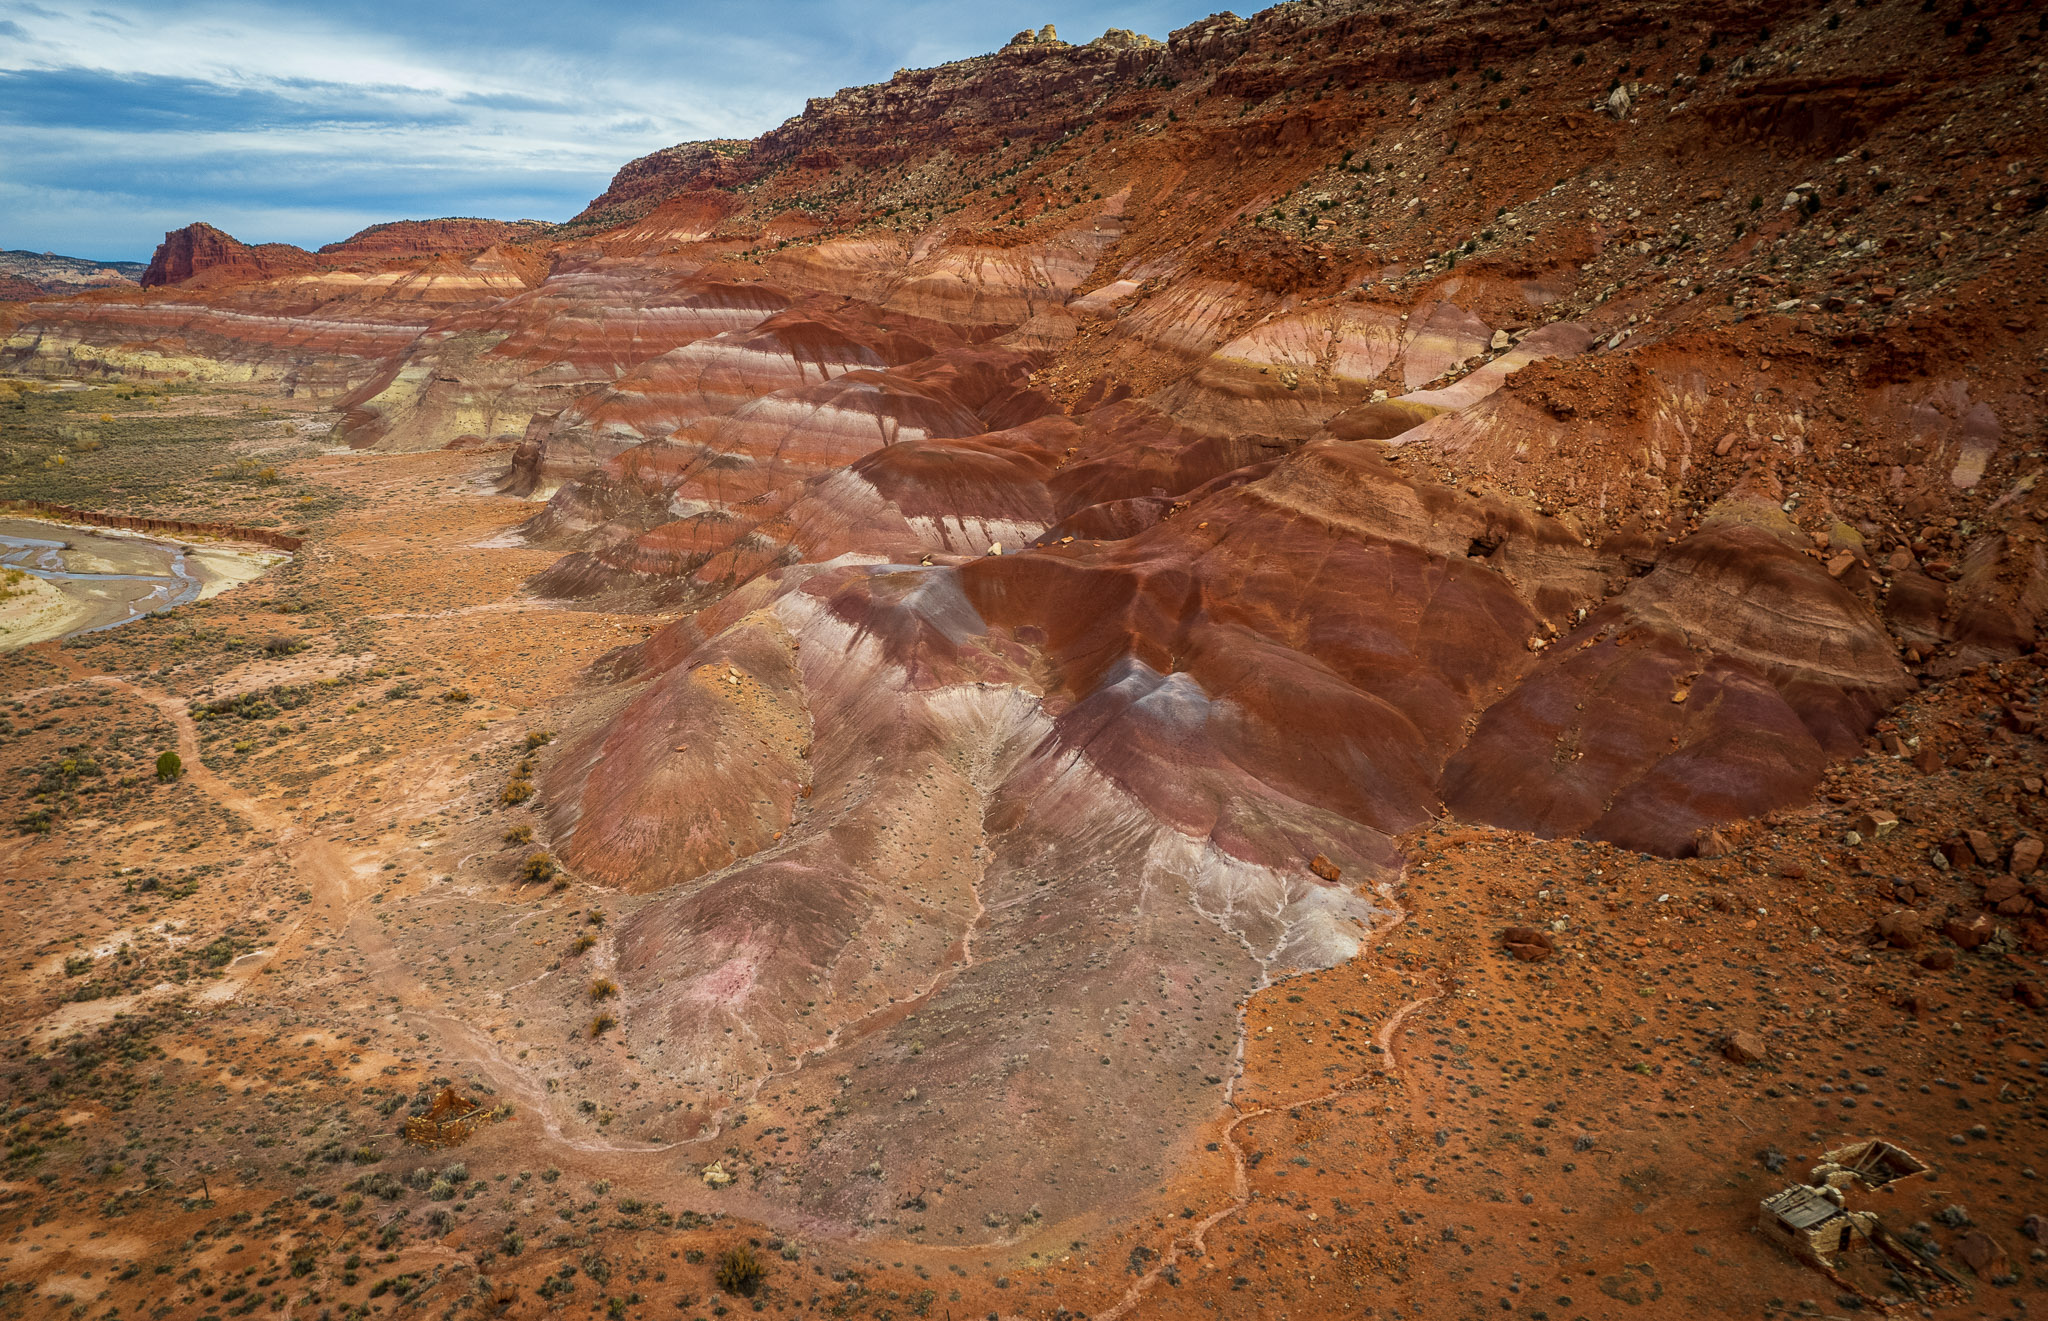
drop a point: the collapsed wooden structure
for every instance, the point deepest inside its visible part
(449, 1122)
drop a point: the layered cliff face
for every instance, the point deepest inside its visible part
(199, 251)
(1098, 498)
(217, 310)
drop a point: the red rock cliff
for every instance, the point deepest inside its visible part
(201, 250)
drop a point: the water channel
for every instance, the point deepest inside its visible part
(60, 581)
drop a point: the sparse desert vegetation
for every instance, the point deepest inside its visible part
(1372, 663)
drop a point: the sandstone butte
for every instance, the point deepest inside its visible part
(1119, 525)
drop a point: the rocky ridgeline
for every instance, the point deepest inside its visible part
(427, 238)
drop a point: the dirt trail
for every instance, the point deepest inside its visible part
(313, 858)
(1193, 1242)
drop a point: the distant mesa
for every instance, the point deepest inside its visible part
(201, 251)
(26, 275)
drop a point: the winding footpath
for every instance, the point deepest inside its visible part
(1194, 1242)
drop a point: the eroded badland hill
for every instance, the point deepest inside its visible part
(1375, 661)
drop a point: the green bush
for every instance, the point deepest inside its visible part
(169, 765)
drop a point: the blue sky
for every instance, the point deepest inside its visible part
(303, 123)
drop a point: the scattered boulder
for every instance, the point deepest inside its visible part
(1968, 932)
(1983, 847)
(2026, 855)
(1938, 960)
(1876, 824)
(1323, 867)
(1745, 1047)
(1903, 929)
(2006, 895)
(1981, 1253)
(2036, 1228)
(2030, 995)
(1527, 943)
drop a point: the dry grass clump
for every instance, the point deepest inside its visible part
(603, 1023)
(604, 988)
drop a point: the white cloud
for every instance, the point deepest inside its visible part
(302, 121)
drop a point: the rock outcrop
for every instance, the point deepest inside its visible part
(199, 251)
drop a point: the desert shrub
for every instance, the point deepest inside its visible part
(603, 1023)
(64, 774)
(540, 867)
(381, 1184)
(604, 988)
(739, 1270)
(539, 738)
(259, 706)
(519, 835)
(516, 792)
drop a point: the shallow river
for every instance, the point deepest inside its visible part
(57, 581)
